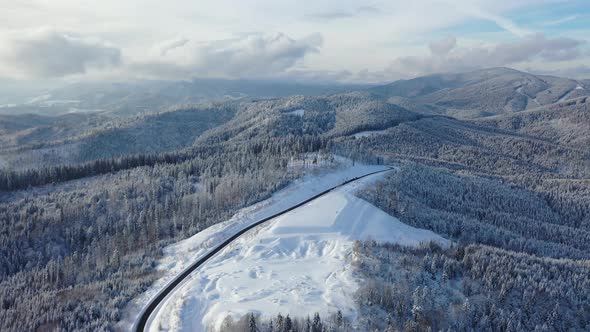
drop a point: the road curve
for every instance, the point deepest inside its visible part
(140, 324)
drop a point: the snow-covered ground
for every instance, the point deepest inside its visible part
(519, 91)
(179, 256)
(368, 133)
(83, 110)
(298, 263)
(297, 112)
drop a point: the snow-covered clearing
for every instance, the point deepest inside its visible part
(180, 255)
(368, 133)
(297, 112)
(519, 91)
(318, 161)
(298, 263)
(565, 96)
(82, 110)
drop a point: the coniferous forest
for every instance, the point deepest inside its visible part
(81, 232)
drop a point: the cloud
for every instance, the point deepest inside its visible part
(478, 10)
(445, 56)
(172, 44)
(443, 46)
(579, 72)
(251, 55)
(48, 54)
(560, 21)
(340, 14)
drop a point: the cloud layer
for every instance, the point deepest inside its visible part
(47, 54)
(52, 54)
(446, 56)
(362, 39)
(250, 55)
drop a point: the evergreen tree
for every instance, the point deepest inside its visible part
(252, 324)
(317, 325)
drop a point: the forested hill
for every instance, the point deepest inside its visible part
(486, 92)
(495, 160)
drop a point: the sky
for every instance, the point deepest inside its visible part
(320, 40)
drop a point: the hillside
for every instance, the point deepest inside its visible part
(78, 137)
(485, 92)
(510, 190)
(36, 140)
(328, 116)
(566, 123)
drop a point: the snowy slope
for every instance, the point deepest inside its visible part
(297, 112)
(298, 263)
(180, 255)
(369, 133)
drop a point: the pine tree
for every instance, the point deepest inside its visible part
(339, 319)
(252, 324)
(280, 322)
(317, 325)
(307, 325)
(288, 324)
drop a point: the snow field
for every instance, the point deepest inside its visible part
(180, 255)
(298, 263)
(368, 133)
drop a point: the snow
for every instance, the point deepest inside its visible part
(180, 255)
(82, 110)
(298, 263)
(519, 91)
(300, 112)
(59, 102)
(569, 93)
(40, 98)
(564, 97)
(368, 133)
(45, 100)
(315, 160)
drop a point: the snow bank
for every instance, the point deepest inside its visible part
(298, 263)
(297, 112)
(368, 133)
(180, 255)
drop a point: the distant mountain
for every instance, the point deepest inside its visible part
(129, 98)
(503, 99)
(485, 92)
(332, 116)
(34, 129)
(33, 140)
(566, 123)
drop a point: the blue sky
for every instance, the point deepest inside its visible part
(329, 40)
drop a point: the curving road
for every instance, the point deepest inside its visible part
(141, 322)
